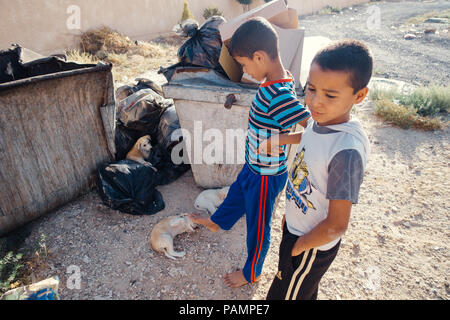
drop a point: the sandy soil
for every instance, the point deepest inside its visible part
(396, 247)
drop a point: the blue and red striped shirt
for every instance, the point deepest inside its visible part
(274, 110)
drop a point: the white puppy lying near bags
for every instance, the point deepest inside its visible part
(161, 237)
(210, 200)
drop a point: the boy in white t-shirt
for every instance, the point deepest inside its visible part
(327, 171)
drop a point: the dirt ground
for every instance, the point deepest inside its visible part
(397, 244)
(423, 60)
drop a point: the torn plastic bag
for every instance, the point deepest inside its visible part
(142, 106)
(141, 111)
(203, 48)
(187, 28)
(43, 290)
(168, 136)
(125, 91)
(163, 139)
(130, 187)
(138, 114)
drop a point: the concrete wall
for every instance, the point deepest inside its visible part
(50, 26)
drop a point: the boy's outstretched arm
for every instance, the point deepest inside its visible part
(328, 230)
(273, 144)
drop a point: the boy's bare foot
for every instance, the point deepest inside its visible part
(236, 279)
(204, 221)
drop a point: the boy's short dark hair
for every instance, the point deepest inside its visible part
(348, 55)
(254, 35)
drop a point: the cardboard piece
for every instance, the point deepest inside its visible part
(267, 11)
(232, 68)
(287, 19)
(291, 49)
(314, 44)
(285, 22)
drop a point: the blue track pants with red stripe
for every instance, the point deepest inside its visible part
(253, 195)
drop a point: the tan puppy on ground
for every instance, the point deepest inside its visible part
(161, 237)
(141, 151)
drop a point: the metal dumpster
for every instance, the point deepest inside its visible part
(56, 127)
(199, 96)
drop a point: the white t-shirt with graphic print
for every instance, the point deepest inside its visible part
(329, 165)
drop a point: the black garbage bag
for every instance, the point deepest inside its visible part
(18, 63)
(169, 134)
(124, 140)
(125, 91)
(187, 28)
(135, 121)
(160, 158)
(141, 111)
(204, 46)
(130, 187)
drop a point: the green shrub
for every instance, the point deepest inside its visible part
(10, 267)
(330, 10)
(211, 11)
(405, 116)
(428, 101)
(414, 109)
(186, 12)
(380, 94)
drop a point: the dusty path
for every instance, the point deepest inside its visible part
(423, 60)
(396, 247)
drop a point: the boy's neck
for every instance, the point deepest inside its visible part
(276, 71)
(345, 119)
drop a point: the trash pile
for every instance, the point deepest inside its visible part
(141, 110)
(208, 46)
(203, 47)
(43, 290)
(130, 186)
(204, 61)
(204, 85)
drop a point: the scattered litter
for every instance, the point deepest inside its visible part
(409, 36)
(44, 290)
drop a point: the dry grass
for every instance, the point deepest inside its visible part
(129, 58)
(419, 109)
(328, 10)
(405, 116)
(432, 14)
(81, 57)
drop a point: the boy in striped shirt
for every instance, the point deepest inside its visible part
(274, 110)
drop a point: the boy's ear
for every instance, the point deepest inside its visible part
(259, 55)
(361, 95)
